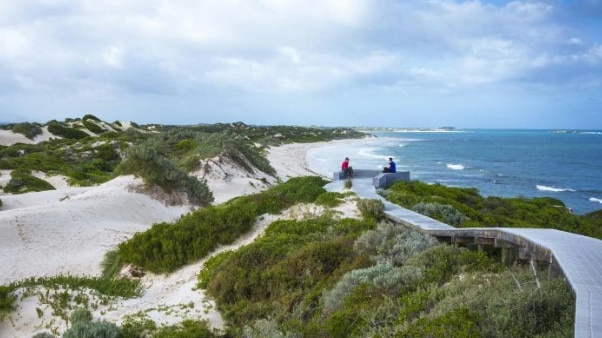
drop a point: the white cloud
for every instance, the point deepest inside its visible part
(289, 70)
(185, 48)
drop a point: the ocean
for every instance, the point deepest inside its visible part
(563, 164)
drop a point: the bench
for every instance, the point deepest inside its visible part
(357, 173)
(384, 180)
(379, 179)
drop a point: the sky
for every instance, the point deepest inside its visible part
(391, 63)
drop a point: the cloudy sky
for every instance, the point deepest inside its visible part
(483, 64)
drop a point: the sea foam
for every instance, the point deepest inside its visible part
(593, 199)
(369, 153)
(553, 189)
(455, 166)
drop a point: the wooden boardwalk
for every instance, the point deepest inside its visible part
(577, 257)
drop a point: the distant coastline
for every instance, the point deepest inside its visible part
(403, 130)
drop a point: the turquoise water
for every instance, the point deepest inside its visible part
(563, 164)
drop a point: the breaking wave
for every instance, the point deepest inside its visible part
(553, 189)
(455, 166)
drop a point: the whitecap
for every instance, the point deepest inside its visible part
(593, 199)
(369, 153)
(553, 189)
(455, 166)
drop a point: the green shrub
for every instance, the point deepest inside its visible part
(156, 170)
(393, 243)
(166, 247)
(459, 323)
(186, 147)
(122, 287)
(301, 189)
(529, 311)
(93, 329)
(187, 329)
(44, 335)
(442, 212)
(7, 299)
(348, 183)
(68, 133)
(265, 328)
(82, 326)
(464, 207)
(330, 199)
(286, 268)
(440, 263)
(29, 130)
(22, 181)
(93, 127)
(364, 313)
(210, 265)
(80, 315)
(111, 264)
(384, 277)
(138, 326)
(90, 117)
(371, 208)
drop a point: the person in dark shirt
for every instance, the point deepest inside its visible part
(391, 168)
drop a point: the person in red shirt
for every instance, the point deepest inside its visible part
(346, 168)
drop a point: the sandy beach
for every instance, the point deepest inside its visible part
(68, 230)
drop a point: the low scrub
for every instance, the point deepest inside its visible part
(82, 162)
(93, 127)
(82, 325)
(62, 293)
(66, 132)
(464, 207)
(156, 170)
(166, 247)
(22, 181)
(7, 299)
(330, 199)
(371, 208)
(29, 130)
(304, 278)
(185, 148)
(285, 269)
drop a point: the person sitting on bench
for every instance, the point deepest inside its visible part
(346, 168)
(391, 168)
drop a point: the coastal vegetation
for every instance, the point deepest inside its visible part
(166, 247)
(464, 207)
(317, 275)
(29, 130)
(331, 277)
(89, 151)
(60, 295)
(323, 277)
(23, 181)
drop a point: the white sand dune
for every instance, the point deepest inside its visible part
(7, 137)
(68, 231)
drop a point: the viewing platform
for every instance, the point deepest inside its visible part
(379, 179)
(576, 257)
